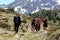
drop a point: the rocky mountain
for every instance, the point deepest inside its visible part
(2, 6)
(31, 6)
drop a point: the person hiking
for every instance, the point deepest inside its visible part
(33, 25)
(42, 23)
(43, 18)
(37, 23)
(45, 25)
(17, 22)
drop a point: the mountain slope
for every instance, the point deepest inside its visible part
(30, 6)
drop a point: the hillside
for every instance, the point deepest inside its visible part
(7, 26)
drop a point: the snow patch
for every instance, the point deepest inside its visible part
(36, 10)
(47, 4)
(42, 4)
(21, 10)
(45, 8)
(16, 8)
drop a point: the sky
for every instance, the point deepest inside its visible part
(58, 1)
(6, 2)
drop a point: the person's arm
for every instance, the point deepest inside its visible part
(40, 21)
(19, 20)
(47, 23)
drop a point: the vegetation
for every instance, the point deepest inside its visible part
(2, 10)
(9, 10)
(50, 14)
(25, 31)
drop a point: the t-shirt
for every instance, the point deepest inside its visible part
(37, 20)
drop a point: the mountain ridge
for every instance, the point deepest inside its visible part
(31, 6)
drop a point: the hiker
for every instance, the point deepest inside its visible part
(43, 18)
(17, 22)
(42, 23)
(37, 23)
(45, 25)
(33, 25)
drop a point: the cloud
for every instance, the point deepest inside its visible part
(58, 1)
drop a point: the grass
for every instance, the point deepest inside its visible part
(9, 35)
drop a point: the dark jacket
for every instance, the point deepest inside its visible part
(17, 20)
(33, 22)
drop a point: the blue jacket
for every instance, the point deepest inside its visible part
(17, 20)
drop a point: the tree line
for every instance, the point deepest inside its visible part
(50, 14)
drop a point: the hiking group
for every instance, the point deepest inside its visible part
(39, 24)
(36, 23)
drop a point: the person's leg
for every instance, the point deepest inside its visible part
(32, 28)
(17, 28)
(38, 27)
(44, 27)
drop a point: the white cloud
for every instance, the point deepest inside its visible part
(58, 1)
